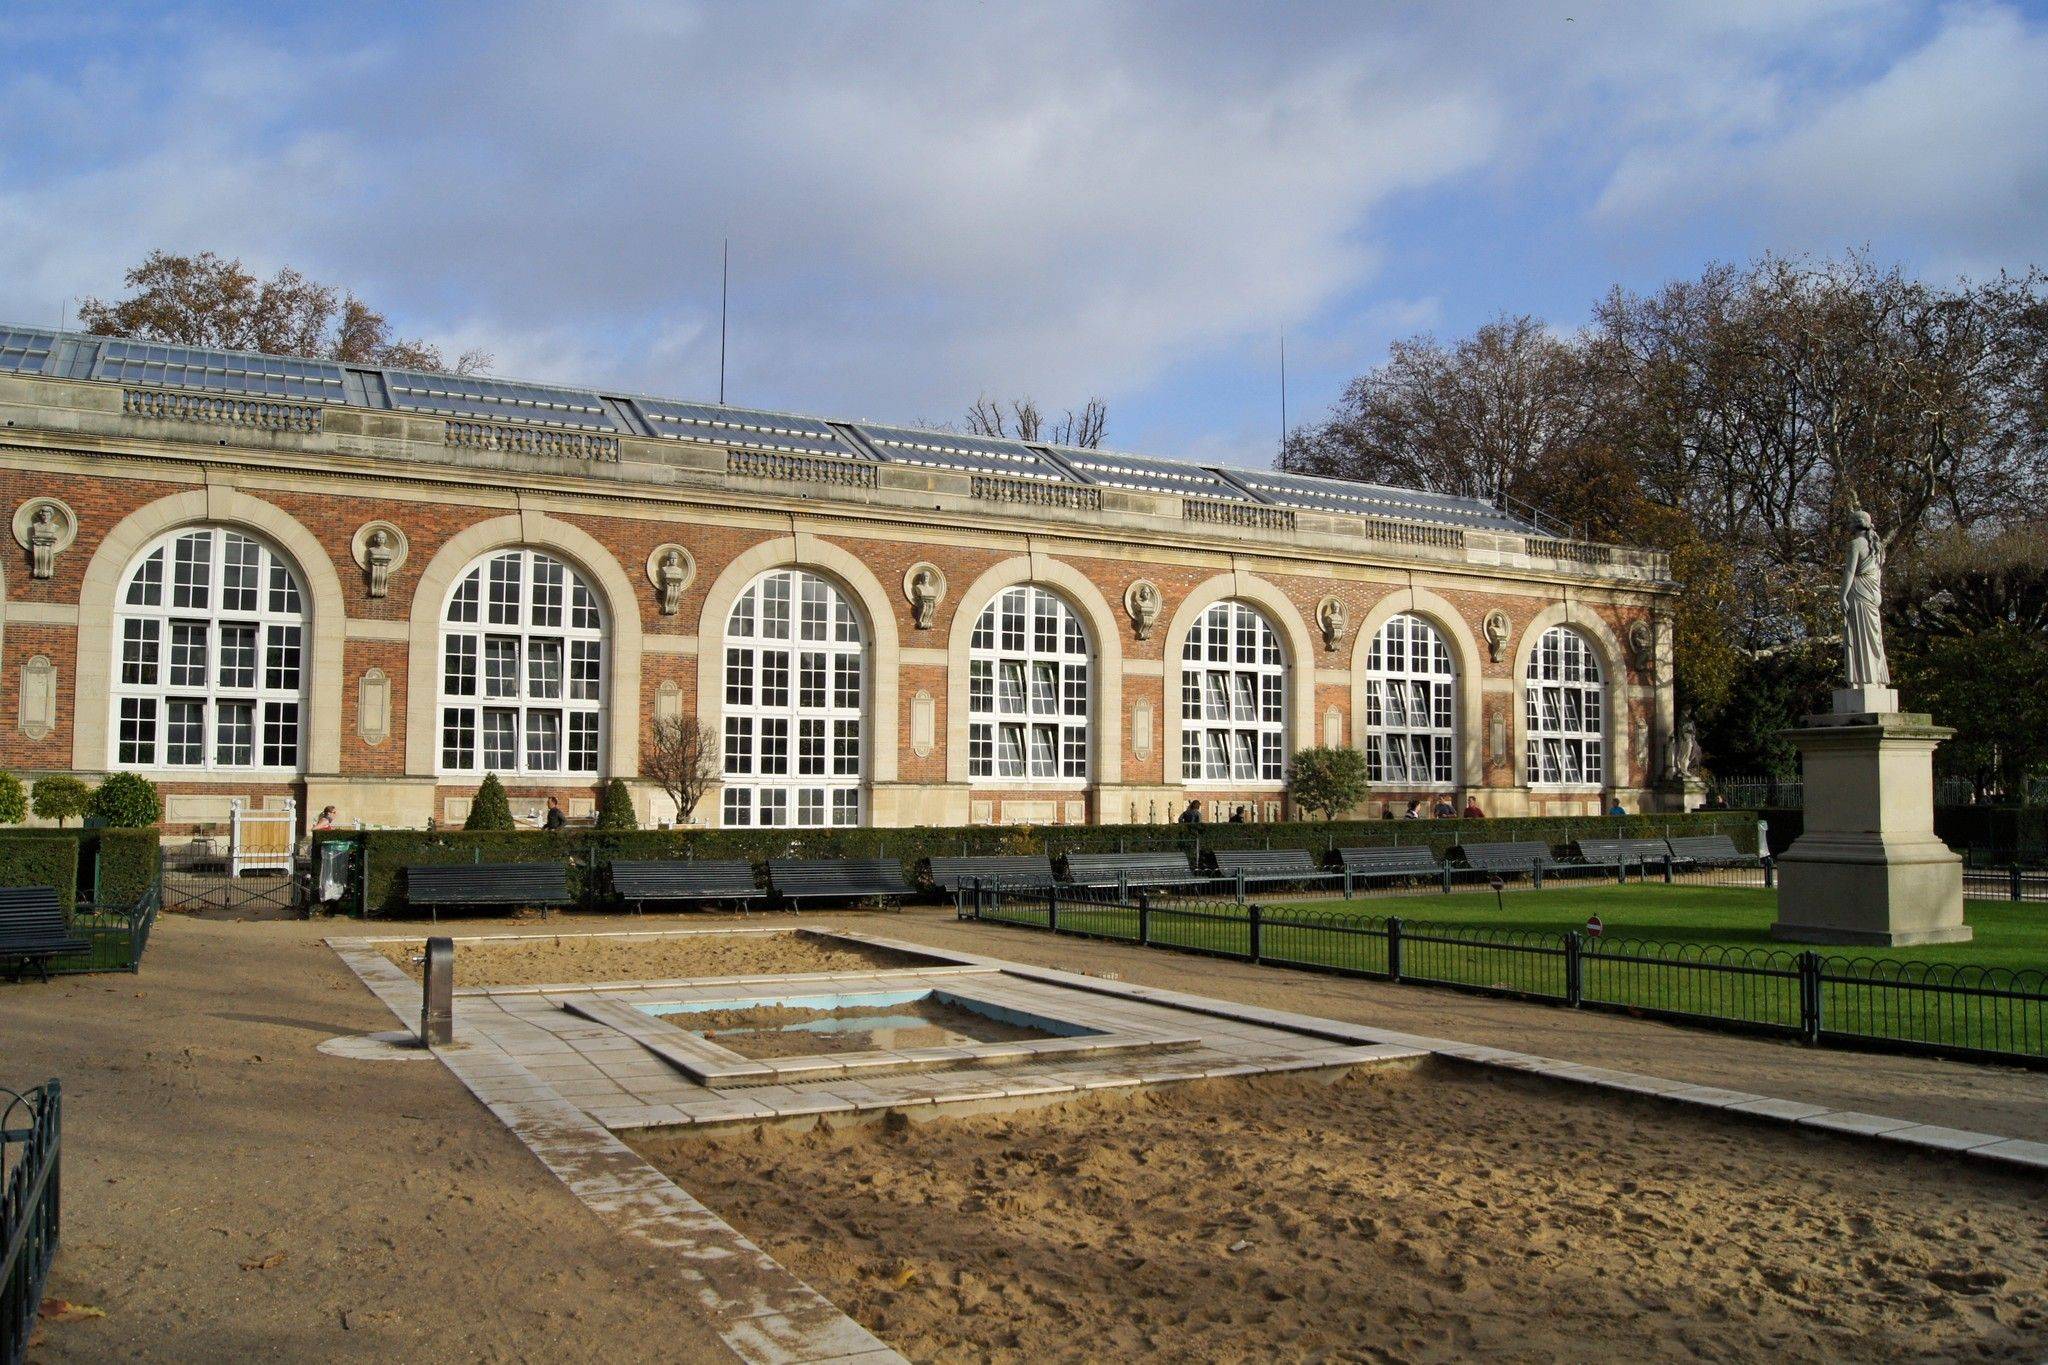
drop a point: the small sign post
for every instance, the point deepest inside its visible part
(437, 994)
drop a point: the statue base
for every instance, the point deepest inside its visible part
(1868, 868)
(1868, 699)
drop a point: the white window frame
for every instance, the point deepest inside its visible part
(1026, 639)
(1562, 687)
(1410, 705)
(1233, 700)
(794, 686)
(571, 619)
(278, 701)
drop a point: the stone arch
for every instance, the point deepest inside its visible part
(806, 551)
(1613, 679)
(1107, 762)
(214, 506)
(1465, 654)
(531, 530)
(1295, 641)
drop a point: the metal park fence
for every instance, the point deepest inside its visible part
(30, 1153)
(1981, 1013)
(118, 936)
(2002, 875)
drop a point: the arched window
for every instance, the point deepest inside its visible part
(1233, 698)
(1565, 709)
(1410, 706)
(795, 696)
(211, 629)
(1028, 675)
(522, 670)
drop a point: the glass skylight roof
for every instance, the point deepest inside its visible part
(746, 428)
(496, 400)
(192, 367)
(40, 351)
(970, 454)
(1147, 475)
(23, 351)
(1373, 500)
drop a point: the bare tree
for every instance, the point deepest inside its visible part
(1023, 421)
(204, 300)
(683, 760)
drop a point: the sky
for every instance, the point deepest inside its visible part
(931, 203)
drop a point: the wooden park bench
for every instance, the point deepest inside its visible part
(1411, 861)
(797, 880)
(677, 880)
(1620, 854)
(1261, 866)
(1523, 856)
(33, 929)
(492, 884)
(1713, 850)
(1012, 872)
(1124, 870)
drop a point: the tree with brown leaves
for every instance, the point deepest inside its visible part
(205, 300)
(683, 760)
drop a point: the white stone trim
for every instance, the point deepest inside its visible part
(1295, 642)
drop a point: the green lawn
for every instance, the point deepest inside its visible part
(1708, 954)
(2008, 935)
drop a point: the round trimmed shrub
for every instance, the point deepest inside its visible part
(125, 801)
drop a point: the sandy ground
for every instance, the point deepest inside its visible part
(203, 1131)
(546, 961)
(384, 1214)
(1417, 1215)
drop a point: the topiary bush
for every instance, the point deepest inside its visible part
(125, 801)
(615, 808)
(60, 797)
(490, 812)
(13, 800)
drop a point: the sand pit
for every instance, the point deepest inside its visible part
(1428, 1214)
(763, 1031)
(568, 958)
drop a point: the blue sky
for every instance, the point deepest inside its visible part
(932, 202)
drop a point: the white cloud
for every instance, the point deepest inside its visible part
(931, 202)
(1947, 142)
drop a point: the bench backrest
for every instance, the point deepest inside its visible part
(489, 884)
(1265, 860)
(683, 878)
(1708, 846)
(1398, 858)
(1619, 850)
(1022, 869)
(838, 877)
(1130, 867)
(31, 917)
(1514, 856)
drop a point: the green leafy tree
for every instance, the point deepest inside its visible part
(13, 801)
(490, 812)
(125, 801)
(1331, 781)
(615, 809)
(60, 797)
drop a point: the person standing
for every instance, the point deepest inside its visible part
(555, 819)
(1193, 814)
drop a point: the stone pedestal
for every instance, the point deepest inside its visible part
(1868, 868)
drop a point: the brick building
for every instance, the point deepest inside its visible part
(251, 577)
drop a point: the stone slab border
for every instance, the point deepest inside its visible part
(760, 1311)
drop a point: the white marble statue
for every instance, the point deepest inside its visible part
(1862, 599)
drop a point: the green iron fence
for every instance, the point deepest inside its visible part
(1980, 1013)
(30, 1151)
(118, 936)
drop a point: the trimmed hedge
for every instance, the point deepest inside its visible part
(50, 860)
(130, 861)
(386, 853)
